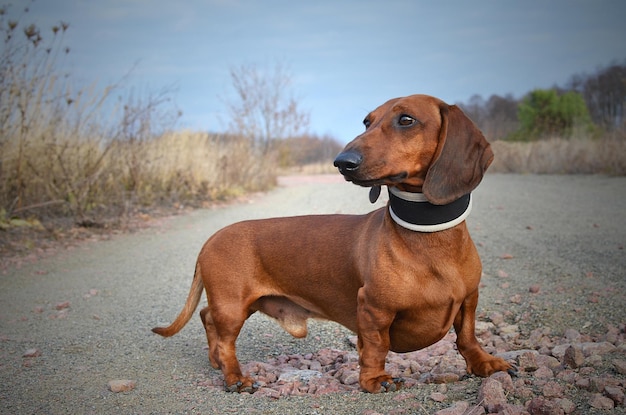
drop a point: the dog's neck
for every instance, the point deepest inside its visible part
(414, 212)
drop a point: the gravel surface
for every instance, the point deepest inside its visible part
(75, 327)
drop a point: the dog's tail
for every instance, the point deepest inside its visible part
(193, 298)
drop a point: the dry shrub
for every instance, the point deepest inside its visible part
(66, 175)
(561, 156)
(191, 166)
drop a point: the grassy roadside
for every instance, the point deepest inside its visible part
(143, 181)
(561, 156)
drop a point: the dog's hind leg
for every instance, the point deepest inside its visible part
(222, 329)
(211, 337)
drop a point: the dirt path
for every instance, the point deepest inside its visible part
(553, 256)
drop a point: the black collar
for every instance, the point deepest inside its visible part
(414, 212)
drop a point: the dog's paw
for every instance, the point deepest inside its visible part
(382, 384)
(242, 386)
(490, 365)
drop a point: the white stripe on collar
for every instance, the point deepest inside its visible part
(420, 198)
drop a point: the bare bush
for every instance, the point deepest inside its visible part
(265, 109)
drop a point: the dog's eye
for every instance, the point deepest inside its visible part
(406, 120)
(367, 123)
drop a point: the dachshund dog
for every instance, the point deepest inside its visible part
(399, 277)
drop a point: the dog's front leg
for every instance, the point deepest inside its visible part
(373, 345)
(478, 361)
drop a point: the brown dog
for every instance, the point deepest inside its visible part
(399, 277)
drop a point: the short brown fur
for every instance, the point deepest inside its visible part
(396, 289)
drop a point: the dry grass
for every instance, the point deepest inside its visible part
(561, 156)
(47, 175)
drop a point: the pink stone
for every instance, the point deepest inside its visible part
(620, 366)
(491, 394)
(566, 405)
(601, 348)
(121, 385)
(445, 377)
(552, 390)
(459, 408)
(528, 362)
(62, 305)
(573, 357)
(601, 402)
(543, 406)
(615, 393)
(544, 373)
(437, 397)
(505, 380)
(34, 352)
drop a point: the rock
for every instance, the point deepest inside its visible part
(459, 408)
(34, 352)
(568, 376)
(267, 393)
(349, 377)
(620, 366)
(496, 318)
(483, 327)
(572, 335)
(515, 354)
(615, 393)
(509, 332)
(505, 380)
(491, 394)
(62, 305)
(552, 390)
(437, 397)
(601, 402)
(299, 375)
(593, 360)
(600, 348)
(573, 357)
(543, 406)
(513, 410)
(548, 361)
(403, 396)
(121, 385)
(534, 289)
(445, 377)
(528, 362)
(583, 383)
(566, 405)
(598, 383)
(544, 373)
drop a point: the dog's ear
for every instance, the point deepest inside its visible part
(460, 161)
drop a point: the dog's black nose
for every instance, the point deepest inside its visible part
(348, 160)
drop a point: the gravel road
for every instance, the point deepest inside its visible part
(553, 256)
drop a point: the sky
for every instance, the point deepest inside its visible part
(345, 57)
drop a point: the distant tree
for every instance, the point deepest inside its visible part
(605, 95)
(546, 113)
(264, 108)
(496, 117)
(501, 116)
(475, 109)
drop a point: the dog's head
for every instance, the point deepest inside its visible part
(420, 144)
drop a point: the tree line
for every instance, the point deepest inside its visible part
(587, 105)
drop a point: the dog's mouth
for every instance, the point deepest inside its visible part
(390, 179)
